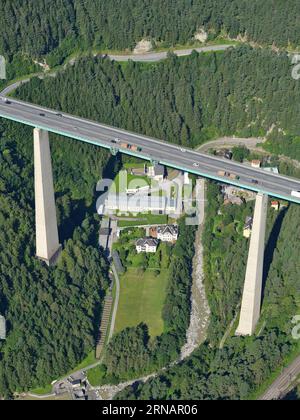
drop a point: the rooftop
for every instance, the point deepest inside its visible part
(147, 241)
(159, 170)
(172, 229)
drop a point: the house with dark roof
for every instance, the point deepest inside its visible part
(168, 233)
(157, 172)
(147, 245)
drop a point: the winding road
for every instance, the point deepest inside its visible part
(153, 57)
(150, 57)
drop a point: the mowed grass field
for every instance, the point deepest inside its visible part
(142, 298)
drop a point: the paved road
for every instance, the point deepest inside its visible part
(147, 57)
(13, 87)
(223, 142)
(279, 388)
(157, 56)
(116, 303)
(151, 149)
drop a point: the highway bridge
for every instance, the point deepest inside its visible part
(116, 140)
(185, 159)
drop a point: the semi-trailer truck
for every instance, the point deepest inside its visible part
(132, 147)
(228, 175)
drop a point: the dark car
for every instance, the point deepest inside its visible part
(254, 181)
(42, 115)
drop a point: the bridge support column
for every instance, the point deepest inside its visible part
(251, 302)
(47, 242)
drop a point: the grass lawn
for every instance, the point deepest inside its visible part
(42, 391)
(146, 219)
(141, 300)
(125, 180)
(95, 376)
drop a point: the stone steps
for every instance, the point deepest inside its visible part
(104, 326)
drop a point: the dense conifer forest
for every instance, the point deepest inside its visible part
(52, 314)
(56, 28)
(243, 91)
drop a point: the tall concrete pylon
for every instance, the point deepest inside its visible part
(251, 302)
(47, 242)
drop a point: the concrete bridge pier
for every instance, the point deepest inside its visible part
(251, 302)
(47, 242)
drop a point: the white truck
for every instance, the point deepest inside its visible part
(295, 194)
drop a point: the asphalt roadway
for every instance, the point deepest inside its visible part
(150, 149)
(153, 57)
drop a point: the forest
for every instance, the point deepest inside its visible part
(243, 91)
(52, 314)
(56, 28)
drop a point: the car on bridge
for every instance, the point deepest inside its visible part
(295, 194)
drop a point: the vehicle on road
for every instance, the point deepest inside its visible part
(6, 101)
(228, 175)
(183, 150)
(41, 114)
(234, 177)
(223, 173)
(132, 147)
(196, 165)
(295, 194)
(254, 181)
(59, 115)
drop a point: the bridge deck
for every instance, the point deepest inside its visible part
(167, 154)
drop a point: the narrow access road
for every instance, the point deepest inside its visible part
(280, 387)
(152, 57)
(6, 91)
(250, 143)
(116, 303)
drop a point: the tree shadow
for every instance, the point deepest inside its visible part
(270, 248)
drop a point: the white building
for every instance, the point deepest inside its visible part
(140, 203)
(135, 204)
(167, 233)
(256, 164)
(186, 178)
(147, 245)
